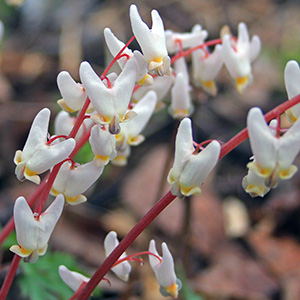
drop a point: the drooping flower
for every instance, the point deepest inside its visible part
(238, 55)
(33, 232)
(164, 270)
(152, 42)
(206, 67)
(123, 269)
(73, 93)
(176, 41)
(115, 46)
(111, 103)
(273, 155)
(130, 131)
(73, 279)
(292, 85)
(37, 156)
(103, 145)
(190, 169)
(73, 180)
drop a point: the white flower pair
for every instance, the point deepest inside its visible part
(273, 154)
(190, 169)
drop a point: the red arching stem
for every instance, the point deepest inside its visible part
(129, 257)
(117, 57)
(55, 138)
(124, 244)
(75, 295)
(189, 51)
(9, 277)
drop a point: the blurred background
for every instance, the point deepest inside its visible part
(226, 245)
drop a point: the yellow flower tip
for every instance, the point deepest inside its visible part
(191, 190)
(135, 140)
(63, 105)
(43, 251)
(54, 192)
(260, 171)
(290, 116)
(76, 200)
(19, 250)
(146, 80)
(180, 113)
(241, 83)
(255, 190)
(209, 86)
(288, 173)
(17, 158)
(32, 176)
(100, 160)
(120, 161)
(172, 290)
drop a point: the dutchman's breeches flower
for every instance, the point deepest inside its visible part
(292, 85)
(190, 169)
(33, 232)
(152, 42)
(73, 94)
(37, 155)
(164, 270)
(273, 155)
(73, 279)
(110, 103)
(238, 56)
(123, 269)
(73, 180)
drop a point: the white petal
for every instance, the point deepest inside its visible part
(72, 279)
(101, 97)
(25, 224)
(37, 136)
(292, 78)
(46, 158)
(82, 178)
(154, 262)
(123, 269)
(255, 46)
(262, 141)
(198, 168)
(115, 46)
(183, 149)
(123, 87)
(243, 38)
(144, 109)
(48, 220)
(72, 92)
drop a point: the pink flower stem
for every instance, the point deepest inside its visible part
(124, 244)
(9, 277)
(131, 257)
(189, 51)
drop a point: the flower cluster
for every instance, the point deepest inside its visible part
(163, 267)
(110, 112)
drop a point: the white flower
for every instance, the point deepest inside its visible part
(273, 155)
(176, 40)
(37, 156)
(73, 279)
(123, 269)
(206, 67)
(164, 270)
(110, 103)
(115, 46)
(64, 124)
(181, 105)
(73, 180)
(292, 85)
(239, 54)
(130, 131)
(103, 145)
(152, 42)
(73, 94)
(33, 232)
(189, 169)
